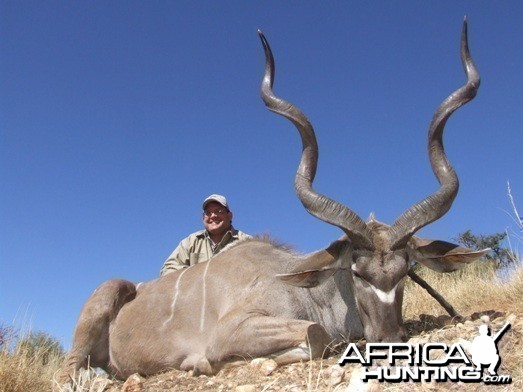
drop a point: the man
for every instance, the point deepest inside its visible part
(204, 244)
(484, 350)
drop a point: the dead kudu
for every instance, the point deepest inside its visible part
(257, 299)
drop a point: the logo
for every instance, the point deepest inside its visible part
(401, 362)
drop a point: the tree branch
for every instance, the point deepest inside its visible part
(448, 307)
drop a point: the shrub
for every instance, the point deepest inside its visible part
(28, 364)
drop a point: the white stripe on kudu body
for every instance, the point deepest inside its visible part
(176, 292)
(204, 296)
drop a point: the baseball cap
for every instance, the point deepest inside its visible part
(218, 199)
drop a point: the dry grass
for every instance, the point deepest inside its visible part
(34, 369)
(473, 291)
(475, 288)
(21, 371)
(86, 381)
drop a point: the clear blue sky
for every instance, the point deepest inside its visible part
(118, 118)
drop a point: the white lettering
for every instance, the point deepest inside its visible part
(435, 369)
(434, 346)
(398, 353)
(376, 351)
(345, 358)
(460, 358)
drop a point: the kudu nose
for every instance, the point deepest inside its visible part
(399, 337)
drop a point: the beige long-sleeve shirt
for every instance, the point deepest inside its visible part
(198, 247)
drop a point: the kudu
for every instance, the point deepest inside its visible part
(258, 299)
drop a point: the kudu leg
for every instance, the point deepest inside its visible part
(284, 340)
(91, 336)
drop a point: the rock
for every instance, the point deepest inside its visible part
(417, 340)
(428, 319)
(336, 375)
(493, 314)
(257, 362)
(246, 388)
(511, 318)
(105, 385)
(444, 320)
(356, 385)
(268, 366)
(485, 319)
(134, 383)
(496, 315)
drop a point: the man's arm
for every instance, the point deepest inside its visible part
(178, 259)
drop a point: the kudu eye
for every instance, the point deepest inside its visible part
(357, 275)
(354, 271)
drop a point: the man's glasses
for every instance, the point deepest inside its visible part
(218, 211)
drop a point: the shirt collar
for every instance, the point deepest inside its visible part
(231, 232)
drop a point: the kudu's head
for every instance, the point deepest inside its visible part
(380, 255)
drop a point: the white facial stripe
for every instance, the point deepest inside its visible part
(386, 297)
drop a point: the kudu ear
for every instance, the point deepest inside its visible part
(307, 279)
(442, 256)
(312, 270)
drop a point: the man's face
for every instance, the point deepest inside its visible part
(216, 218)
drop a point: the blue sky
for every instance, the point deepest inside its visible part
(118, 118)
